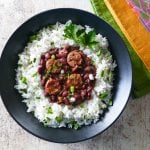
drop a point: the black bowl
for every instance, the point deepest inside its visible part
(8, 63)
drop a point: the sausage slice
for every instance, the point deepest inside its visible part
(74, 58)
(53, 65)
(52, 86)
(74, 80)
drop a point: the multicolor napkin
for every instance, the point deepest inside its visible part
(141, 76)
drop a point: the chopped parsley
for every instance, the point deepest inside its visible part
(81, 105)
(35, 74)
(53, 56)
(72, 89)
(34, 59)
(23, 90)
(19, 65)
(59, 119)
(24, 80)
(33, 37)
(99, 52)
(49, 110)
(110, 102)
(45, 121)
(80, 36)
(37, 97)
(103, 95)
(102, 73)
(73, 124)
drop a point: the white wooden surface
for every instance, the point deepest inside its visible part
(130, 132)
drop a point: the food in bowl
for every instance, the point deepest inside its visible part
(65, 75)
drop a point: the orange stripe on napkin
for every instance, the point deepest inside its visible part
(131, 26)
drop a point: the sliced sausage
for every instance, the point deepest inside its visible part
(74, 80)
(74, 58)
(53, 65)
(52, 86)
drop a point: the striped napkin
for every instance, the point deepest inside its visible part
(132, 27)
(141, 75)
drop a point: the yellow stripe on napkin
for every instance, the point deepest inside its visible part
(131, 26)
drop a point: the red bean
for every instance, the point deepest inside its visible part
(83, 93)
(42, 56)
(61, 55)
(83, 86)
(45, 93)
(41, 69)
(58, 70)
(66, 68)
(66, 101)
(63, 61)
(51, 52)
(88, 81)
(64, 52)
(47, 55)
(89, 94)
(86, 76)
(53, 98)
(75, 69)
(43, 81)
(89, 69)
(65, 93)
(42, 62)
(87, 61)
(67, 47)
(89, 88)
(77, 96)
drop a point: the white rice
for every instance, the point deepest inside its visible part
(53, 114)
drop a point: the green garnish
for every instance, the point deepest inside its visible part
(110, 75)
(53, 56)
(24, 80)
(45, 121)
(37, 97)
(23, 90)
(59, 119)
(74, 124)
(69, 96)
(54, 68)
(49, 110)
(35, 74)
(110, 102)
(48, 119)
(80, 36)
(52, 43)
(102, 73)
(34, 59)
(98, 53)
(72, 89)
(81, 105)
(19, 65)
(45, 124)
(93, 62)
(33, 37)
(103, 95)
(59, 64)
